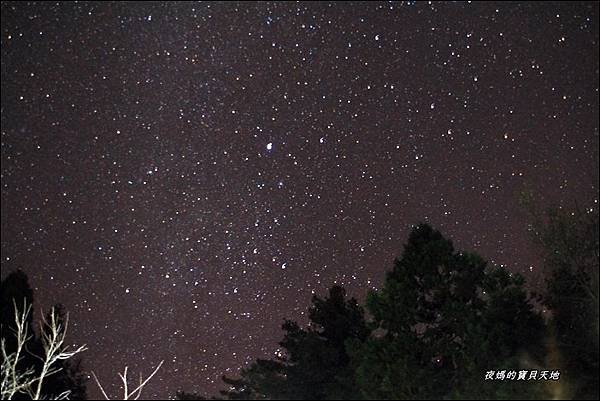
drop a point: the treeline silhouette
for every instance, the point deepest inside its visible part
(444, 324)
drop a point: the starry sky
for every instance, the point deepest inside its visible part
(184, 176)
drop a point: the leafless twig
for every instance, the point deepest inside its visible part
(135, 393)
(53, 335)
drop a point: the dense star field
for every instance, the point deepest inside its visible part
(183, 176)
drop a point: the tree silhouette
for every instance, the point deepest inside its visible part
(315, 364)
(441, 322)
(443, 319)
(569, 241)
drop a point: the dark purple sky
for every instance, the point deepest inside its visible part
(183, 176)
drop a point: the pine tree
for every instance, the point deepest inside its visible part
(315, 364)
(442, 320)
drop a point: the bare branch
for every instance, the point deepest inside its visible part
(136, 393)
(100, 386)
(141, 386)
(53, 336)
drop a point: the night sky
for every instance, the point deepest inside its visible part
(184, 176)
